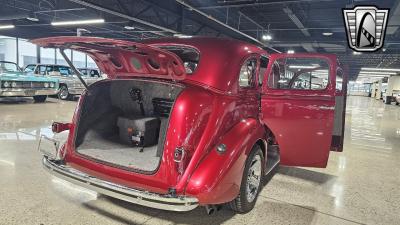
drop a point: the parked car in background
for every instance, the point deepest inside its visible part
(388, 99)
(70, 85)
(90, 72)
(172, 130)
(15, 83)
(397, 98)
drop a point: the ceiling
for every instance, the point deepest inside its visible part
(293, 24)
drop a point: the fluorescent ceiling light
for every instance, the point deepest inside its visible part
(33, 19)
(380, 69)
(327, 33)
(6, 26)
(356, 53)
(377, 72)
(290, 51)
(77, 22)
(267, 37)
(182, 36)
(129, 27)
(360, 76)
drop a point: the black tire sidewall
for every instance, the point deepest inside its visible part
(247, 206)
(59, 94)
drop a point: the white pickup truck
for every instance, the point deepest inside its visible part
(70, 85)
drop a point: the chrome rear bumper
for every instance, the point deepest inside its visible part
(145, 198)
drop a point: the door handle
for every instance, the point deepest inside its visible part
(322, 107)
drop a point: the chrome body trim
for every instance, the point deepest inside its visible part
(29, 92)
(145, 198)
(75, 90)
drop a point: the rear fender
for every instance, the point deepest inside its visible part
(218, 177)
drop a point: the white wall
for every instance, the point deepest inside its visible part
(393, 85)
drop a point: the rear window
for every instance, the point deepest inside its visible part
(189, 56)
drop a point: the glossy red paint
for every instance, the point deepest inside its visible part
(220, 60)
(213, 109)
(308, 142)
(122, 58)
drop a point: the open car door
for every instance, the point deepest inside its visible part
(122, 59)
(298, 106)
(340, 109)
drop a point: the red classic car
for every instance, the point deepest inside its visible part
(183, 122)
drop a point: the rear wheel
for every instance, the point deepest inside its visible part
(253, 178)
(63, 93)
(40, 98)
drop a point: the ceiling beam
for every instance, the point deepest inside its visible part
(191, 8)
(115, 13)
(258, 3)
(296, 21)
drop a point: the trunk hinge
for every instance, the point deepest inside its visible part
(76, 71)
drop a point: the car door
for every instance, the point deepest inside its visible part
(297, 105)
(340, 109)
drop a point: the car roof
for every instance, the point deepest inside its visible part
(3, 61)
(43, 64)
(220, 59)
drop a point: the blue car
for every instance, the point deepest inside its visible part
(15, 83)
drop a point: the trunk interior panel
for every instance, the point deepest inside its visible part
(98, 133)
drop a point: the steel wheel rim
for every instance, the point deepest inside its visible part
(63, 93)
(253, 178)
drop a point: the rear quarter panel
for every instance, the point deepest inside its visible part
(218, 177)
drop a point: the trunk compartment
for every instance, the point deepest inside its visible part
(109, 112)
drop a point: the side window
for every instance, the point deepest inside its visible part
(248, 73)
(263, 68)
(42, 70)
(64, 71)
(83, 71)
(94, 73)
(299, 73)
(49, 69)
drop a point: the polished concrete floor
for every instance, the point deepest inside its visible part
(359, 186)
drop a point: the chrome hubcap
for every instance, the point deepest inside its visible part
(253, 178)
(63, 93)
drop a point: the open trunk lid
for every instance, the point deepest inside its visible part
(118, 58)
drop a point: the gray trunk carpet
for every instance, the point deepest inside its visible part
(111, 151)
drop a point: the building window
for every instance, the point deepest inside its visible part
(60, 58)
(79, 59)
(26, 53)
(8, 49)
(91, 63)
(47, 56)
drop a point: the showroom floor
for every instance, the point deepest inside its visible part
(360, 186)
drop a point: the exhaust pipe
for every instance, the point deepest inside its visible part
(211, 209)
